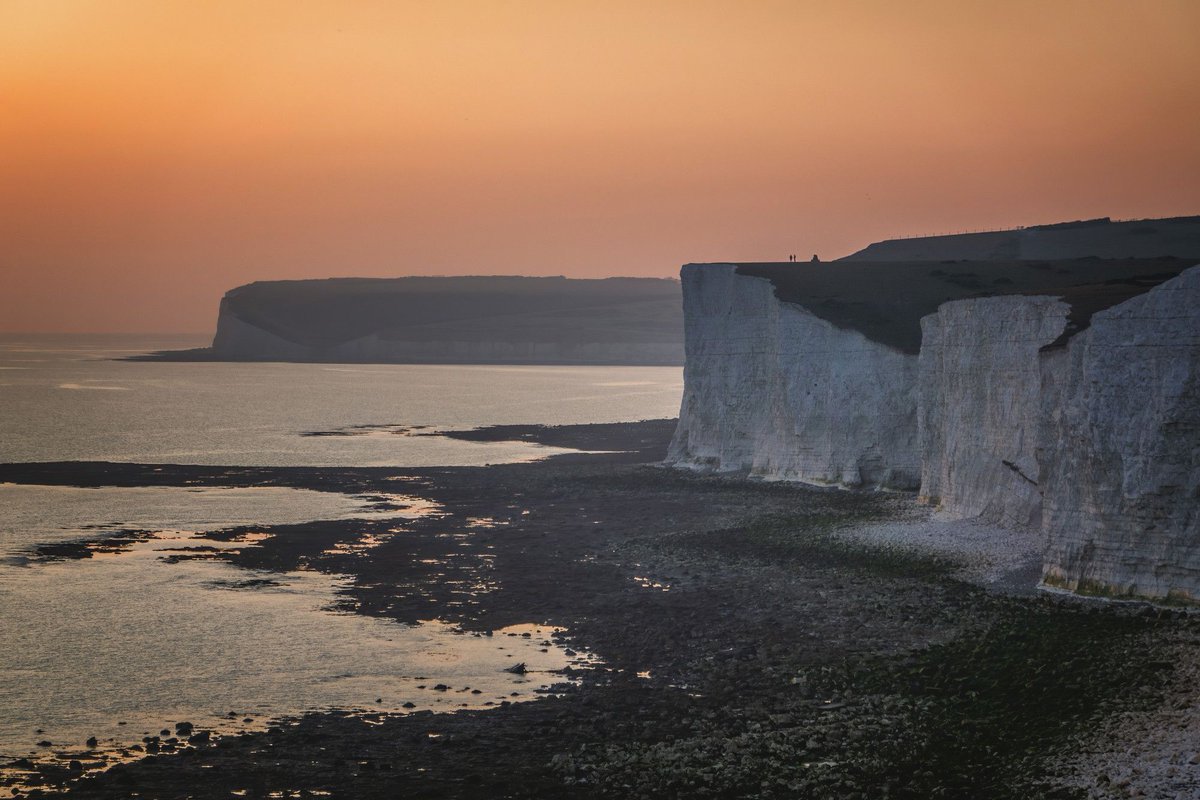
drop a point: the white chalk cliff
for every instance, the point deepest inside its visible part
(774, 390)
(1057, 397)
(980, 403)
(1120, 449)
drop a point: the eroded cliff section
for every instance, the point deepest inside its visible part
(773, 390)
(488, 320)
(1120, 449)
(979, 406)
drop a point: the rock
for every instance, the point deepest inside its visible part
(1119, 449)
(92, 742)
(979, 406)
(778, 391)
(517, 669)
(200, 737)
(1065, 405)
(183, 728)
(409, 705)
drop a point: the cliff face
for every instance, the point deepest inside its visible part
(810, 372)
(1120, 449)
(454, 320)
(980, 406)
(1058, 397)
(775, 390)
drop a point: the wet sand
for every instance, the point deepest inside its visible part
(749, 648)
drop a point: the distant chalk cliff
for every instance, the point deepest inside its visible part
(488, 320)
(1058, 393)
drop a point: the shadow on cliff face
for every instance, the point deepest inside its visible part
(886, 300)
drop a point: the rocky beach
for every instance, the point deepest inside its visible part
(748, 639)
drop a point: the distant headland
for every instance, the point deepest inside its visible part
(458, 320)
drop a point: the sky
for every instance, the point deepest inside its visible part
(156, 153)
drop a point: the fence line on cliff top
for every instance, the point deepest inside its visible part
(994, 230)
(957, 233)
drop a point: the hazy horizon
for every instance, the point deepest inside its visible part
(154, 156)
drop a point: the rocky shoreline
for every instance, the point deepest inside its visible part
(749, 646)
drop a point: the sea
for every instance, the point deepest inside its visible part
(124, 645)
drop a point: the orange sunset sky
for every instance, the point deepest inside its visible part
(154, 153)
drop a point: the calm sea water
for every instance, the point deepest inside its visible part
(64, 398)
(131, 638)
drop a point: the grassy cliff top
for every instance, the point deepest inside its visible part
(885, 300)
(1143, 238)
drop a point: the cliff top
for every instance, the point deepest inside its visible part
(885, 300)
(1143, 238)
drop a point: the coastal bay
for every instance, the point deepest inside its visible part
(737, 632)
